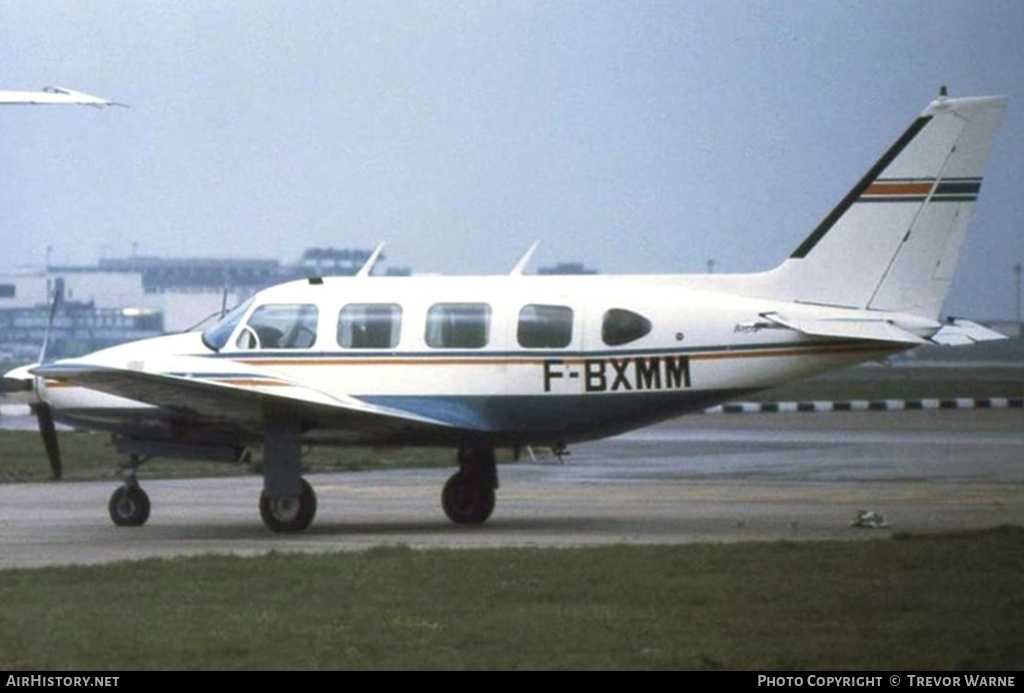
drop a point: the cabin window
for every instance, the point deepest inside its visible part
(279, 326)
(621, 326)
(544, 327)
(458, 325)
(369, 325)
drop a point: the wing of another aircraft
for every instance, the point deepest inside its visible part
(233, 400)
(53, 96)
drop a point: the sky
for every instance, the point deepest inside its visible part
(635, 137)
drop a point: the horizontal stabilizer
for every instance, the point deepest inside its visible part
(877, 329)
(956, 332)
(959, 332)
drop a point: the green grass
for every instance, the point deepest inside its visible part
(911, 602)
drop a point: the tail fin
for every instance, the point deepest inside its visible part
(892, 243)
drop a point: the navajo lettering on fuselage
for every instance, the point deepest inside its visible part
(619, 375)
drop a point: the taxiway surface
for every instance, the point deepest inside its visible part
(697, 479)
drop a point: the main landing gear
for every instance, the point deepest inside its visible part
(292, 514)
(468, 496)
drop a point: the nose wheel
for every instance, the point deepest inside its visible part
(129, 506)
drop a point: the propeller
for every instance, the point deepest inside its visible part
(23, 381)
(43, 410)
(18, 386)
(47, 428)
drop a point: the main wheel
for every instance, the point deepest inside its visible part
(466, 502)
(129, 507)
(289, 514)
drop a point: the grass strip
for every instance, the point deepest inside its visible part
(950, 601)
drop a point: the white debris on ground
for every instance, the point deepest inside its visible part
(869, 519)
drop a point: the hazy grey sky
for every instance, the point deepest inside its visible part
(633, 136)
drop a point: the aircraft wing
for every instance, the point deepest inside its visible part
(52, 96)
(243, 401)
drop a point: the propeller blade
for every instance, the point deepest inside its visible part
(48, 430)
(58, 296)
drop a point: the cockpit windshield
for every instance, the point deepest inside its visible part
(217, 335)
(280, 326)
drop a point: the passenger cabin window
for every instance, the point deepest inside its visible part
(458, 325)
(369, 325)
(279, 326)
(621, 326)
(544, 327)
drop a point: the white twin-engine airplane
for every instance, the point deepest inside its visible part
(477, 363)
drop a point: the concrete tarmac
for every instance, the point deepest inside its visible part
(751, 477)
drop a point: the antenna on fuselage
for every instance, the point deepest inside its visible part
(367, 267)
(520, 267)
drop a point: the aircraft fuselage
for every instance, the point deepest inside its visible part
(510, 360)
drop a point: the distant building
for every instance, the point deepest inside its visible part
(189, 275)
(78, 328)
(122, 299)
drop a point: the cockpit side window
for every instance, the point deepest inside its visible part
(279, 326)
(621, 326)
(458, 325)
(370, 326)
(218, 334)
(544, 327)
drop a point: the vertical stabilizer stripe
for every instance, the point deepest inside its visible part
(858, 190)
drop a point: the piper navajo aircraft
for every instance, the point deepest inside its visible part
(478, 363)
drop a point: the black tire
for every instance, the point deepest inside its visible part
(289, 514)
(129, 507)
(467, 503)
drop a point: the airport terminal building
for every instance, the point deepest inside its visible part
(123, 299)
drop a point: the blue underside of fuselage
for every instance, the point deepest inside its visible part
(552, 419)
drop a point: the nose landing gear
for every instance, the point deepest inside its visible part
(129, 504)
